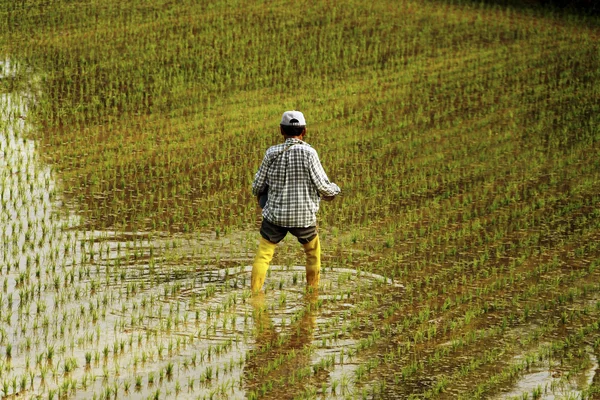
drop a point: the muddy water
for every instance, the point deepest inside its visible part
(202, 321)
(555, 380)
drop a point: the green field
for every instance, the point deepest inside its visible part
(462, 259)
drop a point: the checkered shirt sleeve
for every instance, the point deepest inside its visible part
(296, 180)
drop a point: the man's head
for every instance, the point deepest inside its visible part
(292, 124)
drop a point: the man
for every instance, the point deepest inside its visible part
(295, 179)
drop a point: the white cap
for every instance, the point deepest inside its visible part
(293, 118)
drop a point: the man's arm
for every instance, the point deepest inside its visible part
(260, 179)
(327, 189)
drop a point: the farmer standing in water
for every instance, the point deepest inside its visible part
(293, 181)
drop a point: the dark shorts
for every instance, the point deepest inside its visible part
(275, 233)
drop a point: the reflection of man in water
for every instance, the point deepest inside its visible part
(278, 362)
(296, 182)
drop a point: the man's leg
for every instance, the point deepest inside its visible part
(309, 239)
(312, 250)
(271, 234)
(263, 257)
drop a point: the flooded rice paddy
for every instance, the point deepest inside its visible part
(103, 314)
(461, 261)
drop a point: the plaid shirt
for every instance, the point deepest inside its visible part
(296, 181)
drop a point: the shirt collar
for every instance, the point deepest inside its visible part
(290, 141)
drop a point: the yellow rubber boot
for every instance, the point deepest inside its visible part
(263, 257)
(312, 250)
